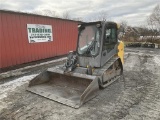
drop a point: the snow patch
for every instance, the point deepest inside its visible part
(12, 85)
(157, 60)
(9, 87)
(19, 71)
(131, 62)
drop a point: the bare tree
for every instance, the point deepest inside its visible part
(100, 16)
(46, 12)
(143, 32)
(37, 12)
(123, 26)
(122, 29)
(154, 23)
(155, 16)
(78, 19)
(66, 15)
(50, 13)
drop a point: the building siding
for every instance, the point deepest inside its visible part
(15, 48)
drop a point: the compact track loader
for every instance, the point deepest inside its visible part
(96, 63)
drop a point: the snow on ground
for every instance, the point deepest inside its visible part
(157, 60)
(131, 65)
(9, 87)
(20, 71)
(137, 97)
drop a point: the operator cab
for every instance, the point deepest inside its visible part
(96, 42)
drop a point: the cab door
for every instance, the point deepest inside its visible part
(109, 47)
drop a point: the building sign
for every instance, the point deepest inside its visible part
(39, 33)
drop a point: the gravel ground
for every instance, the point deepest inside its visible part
(136, 96)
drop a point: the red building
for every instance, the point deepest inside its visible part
(16, 46)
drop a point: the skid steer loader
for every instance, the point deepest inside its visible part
(96, 63)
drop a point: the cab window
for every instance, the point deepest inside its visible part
(110, 38)
(110, 35)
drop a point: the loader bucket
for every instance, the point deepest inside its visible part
(72, 90)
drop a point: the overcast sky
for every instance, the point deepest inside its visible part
(133, 11)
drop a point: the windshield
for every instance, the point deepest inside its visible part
(89, 39)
